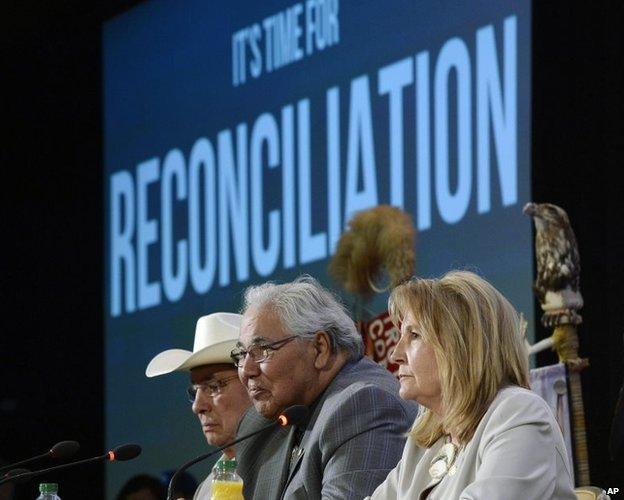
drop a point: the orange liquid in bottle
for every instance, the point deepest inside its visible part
(227, 490)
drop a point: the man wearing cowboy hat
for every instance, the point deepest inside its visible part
(219, 399)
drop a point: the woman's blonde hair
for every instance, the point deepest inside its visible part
(475, 334)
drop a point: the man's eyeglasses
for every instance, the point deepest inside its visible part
(258, 352)
(212, 387)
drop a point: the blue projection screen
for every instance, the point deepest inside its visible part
(241, 137)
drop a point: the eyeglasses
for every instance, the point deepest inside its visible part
(212, 387)
(258, 352)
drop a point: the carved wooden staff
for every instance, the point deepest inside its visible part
(557, 287)
(565, 342)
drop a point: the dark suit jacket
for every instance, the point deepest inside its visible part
(354, 437)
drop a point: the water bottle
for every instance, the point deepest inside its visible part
(226, 483)
(48, 491)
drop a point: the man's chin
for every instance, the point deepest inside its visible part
(217, 439)
(217, 442)
(267, 409)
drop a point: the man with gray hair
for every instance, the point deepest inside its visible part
(298, 346)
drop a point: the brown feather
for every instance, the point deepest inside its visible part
(378, 239)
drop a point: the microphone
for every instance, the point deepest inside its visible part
(15, 472)
(292, 415)
(59, 451)
(118, 454)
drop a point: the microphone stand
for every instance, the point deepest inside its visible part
(121, 453)
(28, 460)
(60, 450)
(29, 475)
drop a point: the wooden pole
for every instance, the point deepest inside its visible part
(566, 344)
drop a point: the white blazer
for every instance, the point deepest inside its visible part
(517, 452)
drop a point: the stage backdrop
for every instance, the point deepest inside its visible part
(240, 138)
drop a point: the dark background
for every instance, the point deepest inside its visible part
(51, 337)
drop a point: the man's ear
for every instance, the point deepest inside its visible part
(322, 346)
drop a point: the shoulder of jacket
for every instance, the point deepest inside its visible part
(514, 407)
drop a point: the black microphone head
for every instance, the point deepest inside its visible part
(16, 472)
(124, 452)
(293, 415)
(64, 449)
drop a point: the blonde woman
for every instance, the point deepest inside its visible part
(481, 433)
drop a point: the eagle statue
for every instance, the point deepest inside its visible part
(557, 284)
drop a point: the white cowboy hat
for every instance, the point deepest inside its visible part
(215, 336)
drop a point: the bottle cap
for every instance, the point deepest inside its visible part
(48, 488)
(227, 465)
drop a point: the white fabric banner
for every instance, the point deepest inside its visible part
(550, 382)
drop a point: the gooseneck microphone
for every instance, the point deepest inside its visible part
(118, 454)
(292, 415)
(59, 451)
(15, 472)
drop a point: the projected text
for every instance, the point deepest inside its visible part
(286, 37)
(227, 232)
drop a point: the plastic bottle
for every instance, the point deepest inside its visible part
(48, 491)
(226, 483)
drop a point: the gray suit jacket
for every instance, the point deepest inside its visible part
(353, 439)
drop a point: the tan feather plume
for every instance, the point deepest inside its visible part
(378, 239)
